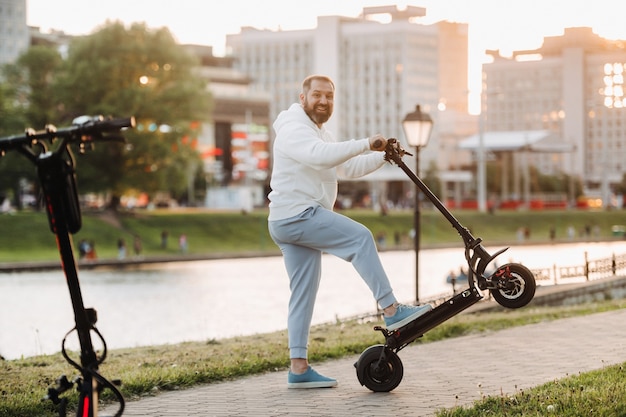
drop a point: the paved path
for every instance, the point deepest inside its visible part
(436, 375)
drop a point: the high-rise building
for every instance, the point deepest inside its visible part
(572, 87)
(381, 71)
(14, 36)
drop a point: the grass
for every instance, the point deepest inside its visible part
(149, 370)
(232, 232)
(206, 233)
(595, 393)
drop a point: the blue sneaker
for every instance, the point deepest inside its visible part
(310, 379)
(405, 314)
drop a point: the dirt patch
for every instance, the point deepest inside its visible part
(110, 217)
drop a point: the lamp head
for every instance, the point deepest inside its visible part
(417, 127)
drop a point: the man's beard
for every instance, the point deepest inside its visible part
(319, 114)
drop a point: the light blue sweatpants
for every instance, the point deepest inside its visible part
(302, 239)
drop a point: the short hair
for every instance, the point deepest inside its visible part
(306, 84)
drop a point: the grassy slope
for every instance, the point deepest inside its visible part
(26, 236)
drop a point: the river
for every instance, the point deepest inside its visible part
(202, 300)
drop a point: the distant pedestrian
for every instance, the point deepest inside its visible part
(571, 232)
(452, 280)
(164, 236)
(182, 243)
(83, 248)
(381, 239)
(137, 246)
(121, 248)
(91, 250)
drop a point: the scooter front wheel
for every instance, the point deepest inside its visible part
(516, 285)
(379, 369)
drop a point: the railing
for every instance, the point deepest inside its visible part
(590, 270)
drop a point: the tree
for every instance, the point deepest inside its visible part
(11, 106)
(13, 166)
(142, 73)
(36, 69)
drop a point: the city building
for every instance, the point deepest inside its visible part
(572, 88)
(14, 36)
(234, 144)
(382, 70)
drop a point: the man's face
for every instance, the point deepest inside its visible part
(318, 101)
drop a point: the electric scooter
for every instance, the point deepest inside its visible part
(50, 151)
(512, 285)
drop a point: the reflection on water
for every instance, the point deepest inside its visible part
(216, 299)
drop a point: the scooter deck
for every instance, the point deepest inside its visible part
(399, 338)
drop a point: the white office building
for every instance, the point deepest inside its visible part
(381, 71)
(573, 88)
(14, 35)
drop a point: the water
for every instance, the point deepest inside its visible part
(205, 300)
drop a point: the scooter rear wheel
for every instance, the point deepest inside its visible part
(379, 369)
(516, 286)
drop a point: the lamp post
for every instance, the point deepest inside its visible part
(482, 180)
(417, 127)
(480, 154)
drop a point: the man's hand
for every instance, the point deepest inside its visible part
(378, 143)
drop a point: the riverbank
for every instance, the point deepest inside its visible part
(138, 262)
(211, 234)
(130, 263)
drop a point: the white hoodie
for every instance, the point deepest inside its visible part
(306, 163)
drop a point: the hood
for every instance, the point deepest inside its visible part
(295, 113)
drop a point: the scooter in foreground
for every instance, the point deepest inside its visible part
(512, 285)
(50, 151)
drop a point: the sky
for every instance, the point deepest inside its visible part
(507, 25)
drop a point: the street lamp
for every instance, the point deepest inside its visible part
(417, 127)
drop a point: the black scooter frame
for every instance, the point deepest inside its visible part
(379, 367)
(476, 255)
(50, 152)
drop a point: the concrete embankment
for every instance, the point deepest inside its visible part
(135, 262)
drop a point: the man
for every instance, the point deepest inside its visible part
(307, 161)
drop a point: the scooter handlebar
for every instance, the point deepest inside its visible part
(83, 126)
(394, 151)
(99, 123)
